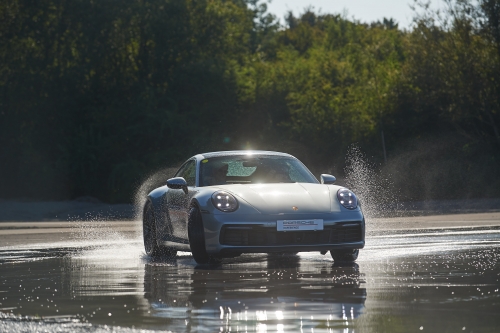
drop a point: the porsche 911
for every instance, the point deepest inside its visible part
(224, 204)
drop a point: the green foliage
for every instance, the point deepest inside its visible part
(94, 96)
(93, 86)
(454, 70)
(336, 79)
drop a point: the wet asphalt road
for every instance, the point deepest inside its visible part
(433, 274)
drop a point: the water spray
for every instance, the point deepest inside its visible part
(376, 193)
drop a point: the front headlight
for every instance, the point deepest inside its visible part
(347, 198)
(224, 201)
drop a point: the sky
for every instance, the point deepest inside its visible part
(362, 10)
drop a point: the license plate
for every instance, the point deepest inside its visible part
(299, 225)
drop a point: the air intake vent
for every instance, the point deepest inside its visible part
(251, 235)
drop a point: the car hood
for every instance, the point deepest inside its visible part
(281, 198)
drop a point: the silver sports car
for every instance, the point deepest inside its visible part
(223, 204)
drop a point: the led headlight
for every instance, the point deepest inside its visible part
(224, 201)
(347, 198)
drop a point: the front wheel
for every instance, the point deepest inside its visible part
(196, 236)
(344, 256)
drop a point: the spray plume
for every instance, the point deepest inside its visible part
(375, 192)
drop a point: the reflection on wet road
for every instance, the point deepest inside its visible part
(438, 281)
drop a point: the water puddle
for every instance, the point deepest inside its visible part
(434, 280)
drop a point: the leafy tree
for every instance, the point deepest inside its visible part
(453, 68)
(94, 96)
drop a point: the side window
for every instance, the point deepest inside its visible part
(188, 172)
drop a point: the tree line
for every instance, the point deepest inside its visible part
(96, 95)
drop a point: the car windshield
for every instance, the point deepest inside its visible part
(253, 169)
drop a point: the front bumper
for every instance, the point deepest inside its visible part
(257, 233)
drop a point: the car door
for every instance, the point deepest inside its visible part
(178, 200)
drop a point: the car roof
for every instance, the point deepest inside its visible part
(241, 152)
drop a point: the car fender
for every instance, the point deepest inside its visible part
(162, 221)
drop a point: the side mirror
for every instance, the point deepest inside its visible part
(177, 183)
(327, 179)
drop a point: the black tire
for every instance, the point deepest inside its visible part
(196, 236)
(149, 234)
(344, 256)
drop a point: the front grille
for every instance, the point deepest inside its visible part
(252, 235)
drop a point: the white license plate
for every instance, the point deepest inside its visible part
(299, 225)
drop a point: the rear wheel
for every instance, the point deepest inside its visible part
(196, 236)
(149, 234)
(344, 256)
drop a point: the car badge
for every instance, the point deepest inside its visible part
(295, 208)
